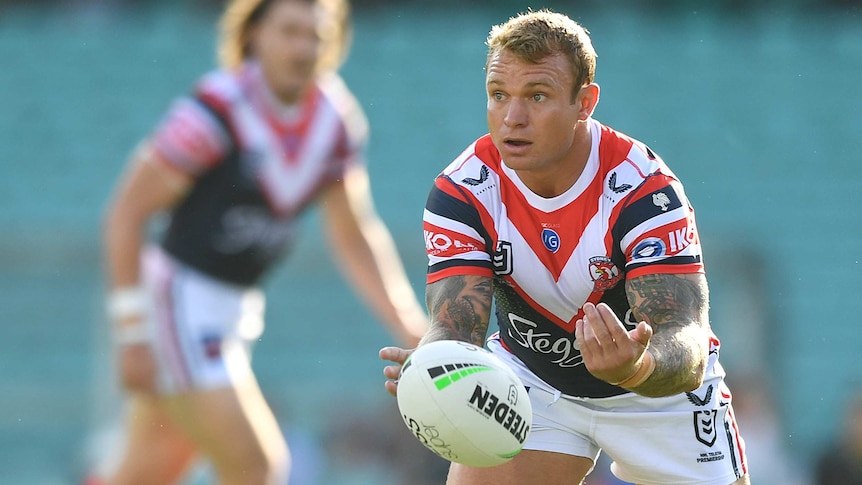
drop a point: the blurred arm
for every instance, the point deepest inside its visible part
(368, 258)
(148, 186)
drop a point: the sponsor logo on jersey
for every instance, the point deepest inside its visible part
(551, 240)
(604, 273)
(437, 242)
(618, 189)
(483, 176)
(680, 239)
(562, 350)
(661, 200)
(652, 247)
(246, 227)
(485, 402)
(705, 429)
(697, 401)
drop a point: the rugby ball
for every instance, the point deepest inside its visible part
(464, 404)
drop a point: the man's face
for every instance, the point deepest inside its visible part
(287, 42)
(531, 113)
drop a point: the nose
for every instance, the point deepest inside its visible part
(516, 113)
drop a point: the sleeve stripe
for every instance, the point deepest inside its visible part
(444, 205)
(459, 267)
(651, 224)
(669, 265)
(451, 225)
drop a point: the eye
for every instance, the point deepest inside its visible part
(538, 97)
(497, 96)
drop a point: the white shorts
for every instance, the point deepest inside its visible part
(202, 329)
(691, 438)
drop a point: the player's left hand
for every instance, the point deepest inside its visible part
(397, 355)
(610, 352)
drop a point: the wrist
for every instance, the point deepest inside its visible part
(125, 303)
(126, 307)
(643, 372)
(131, 334)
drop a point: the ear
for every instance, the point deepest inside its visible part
(587, 99)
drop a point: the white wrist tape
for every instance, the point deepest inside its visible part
(126, 302)
(131, 334)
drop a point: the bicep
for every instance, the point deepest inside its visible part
(460, 308)
(669, 298)
(148, 186)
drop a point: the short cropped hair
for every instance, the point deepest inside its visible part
(240, 16)
(533, 36)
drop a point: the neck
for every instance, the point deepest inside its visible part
(561, 177)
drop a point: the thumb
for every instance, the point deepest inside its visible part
(642, 333)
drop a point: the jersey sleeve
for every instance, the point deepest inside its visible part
(656, 230)
(190, 138)
(353, 135)
(455, 241)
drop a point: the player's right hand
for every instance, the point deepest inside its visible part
(398, 356)
(137, 368)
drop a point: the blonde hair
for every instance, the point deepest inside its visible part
(240, 16)
(533, 36)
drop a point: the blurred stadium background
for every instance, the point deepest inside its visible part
(757, 106)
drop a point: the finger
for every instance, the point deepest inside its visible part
(597, 324)
(642, 333)
(615, 328)
(395, 354)
(391, 387)
(579, 333)
(590, 342)
(392, 371)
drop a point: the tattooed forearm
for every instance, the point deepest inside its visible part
(460, 308)
(676, 306)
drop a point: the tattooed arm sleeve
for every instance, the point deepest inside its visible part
(676, 306)
(460, 309)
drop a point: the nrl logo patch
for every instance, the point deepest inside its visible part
(704, 426)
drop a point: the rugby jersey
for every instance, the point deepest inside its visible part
(626, 216)
(257, 163)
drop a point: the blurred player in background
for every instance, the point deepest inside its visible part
(587, 245)
(233, 165)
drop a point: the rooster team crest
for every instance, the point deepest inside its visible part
(604, 273)
(661, 200)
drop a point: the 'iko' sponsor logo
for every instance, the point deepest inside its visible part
(491, 406)
(680, 239)
(436, 242)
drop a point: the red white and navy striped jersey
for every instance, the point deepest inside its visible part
(257, 164)
(626, 216)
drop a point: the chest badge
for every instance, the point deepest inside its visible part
(551, 240)
(604, 273)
